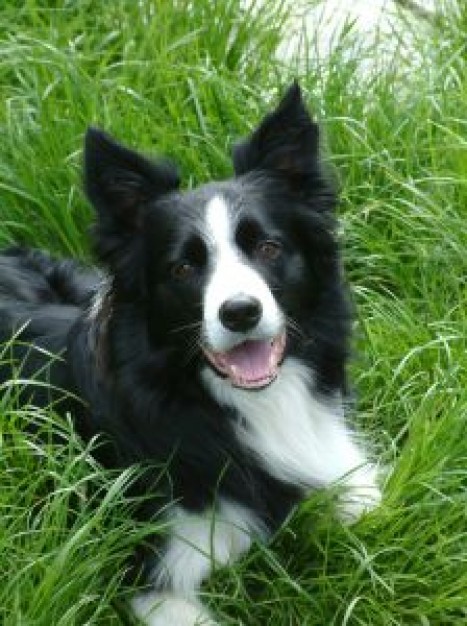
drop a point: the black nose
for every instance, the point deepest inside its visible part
(241, 313)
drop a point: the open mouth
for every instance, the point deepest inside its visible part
(251, 364)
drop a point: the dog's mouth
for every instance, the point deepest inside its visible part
(251, 364)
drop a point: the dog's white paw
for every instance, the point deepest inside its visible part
(361, 494)
(165, 609)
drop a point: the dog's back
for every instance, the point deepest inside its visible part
(40, 300)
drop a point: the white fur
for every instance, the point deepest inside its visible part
(201, 541)
(232, 276)
(167, 609)
(98, 299)
(298, 437)
(198, 543)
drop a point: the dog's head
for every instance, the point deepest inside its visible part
(240, 272)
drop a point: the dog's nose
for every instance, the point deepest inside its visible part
(241, 313)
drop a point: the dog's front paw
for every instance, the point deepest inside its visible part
(165, 609)
(360, 495)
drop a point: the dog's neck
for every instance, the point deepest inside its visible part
(98, 318)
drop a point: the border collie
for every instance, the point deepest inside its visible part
(213, 343)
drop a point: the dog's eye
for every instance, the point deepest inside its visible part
(268, 250)
(182, 270)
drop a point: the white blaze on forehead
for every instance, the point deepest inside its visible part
(219, 224)
(231, 276)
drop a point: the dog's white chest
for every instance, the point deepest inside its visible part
(298, 438)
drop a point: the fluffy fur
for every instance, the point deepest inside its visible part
(214, 342)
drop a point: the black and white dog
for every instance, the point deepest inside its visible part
(214, 343)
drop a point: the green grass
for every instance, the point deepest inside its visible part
(184, 79)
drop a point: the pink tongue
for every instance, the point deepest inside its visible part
(251, 359)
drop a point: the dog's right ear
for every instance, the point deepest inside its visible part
(120, 182)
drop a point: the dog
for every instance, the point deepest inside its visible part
(213, 342)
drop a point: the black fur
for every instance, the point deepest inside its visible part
(129, 359)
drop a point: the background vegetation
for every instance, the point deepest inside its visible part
(184, 79)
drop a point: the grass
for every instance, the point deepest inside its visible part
(184, 79)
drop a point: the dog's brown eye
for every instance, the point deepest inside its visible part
(182, 270)
(268, 250)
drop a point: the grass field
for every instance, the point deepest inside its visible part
(184, 79)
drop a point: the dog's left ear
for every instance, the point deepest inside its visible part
(286, 141)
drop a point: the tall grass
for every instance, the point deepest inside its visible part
(184, 79)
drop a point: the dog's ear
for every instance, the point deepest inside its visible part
(286, 142)
(119, 182)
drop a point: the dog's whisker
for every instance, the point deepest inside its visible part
(193, 349)
(185, 327)
(294, 328)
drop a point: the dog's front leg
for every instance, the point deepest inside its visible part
(170, 609)
(350, 469)
(361, 492)
(197, 543)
